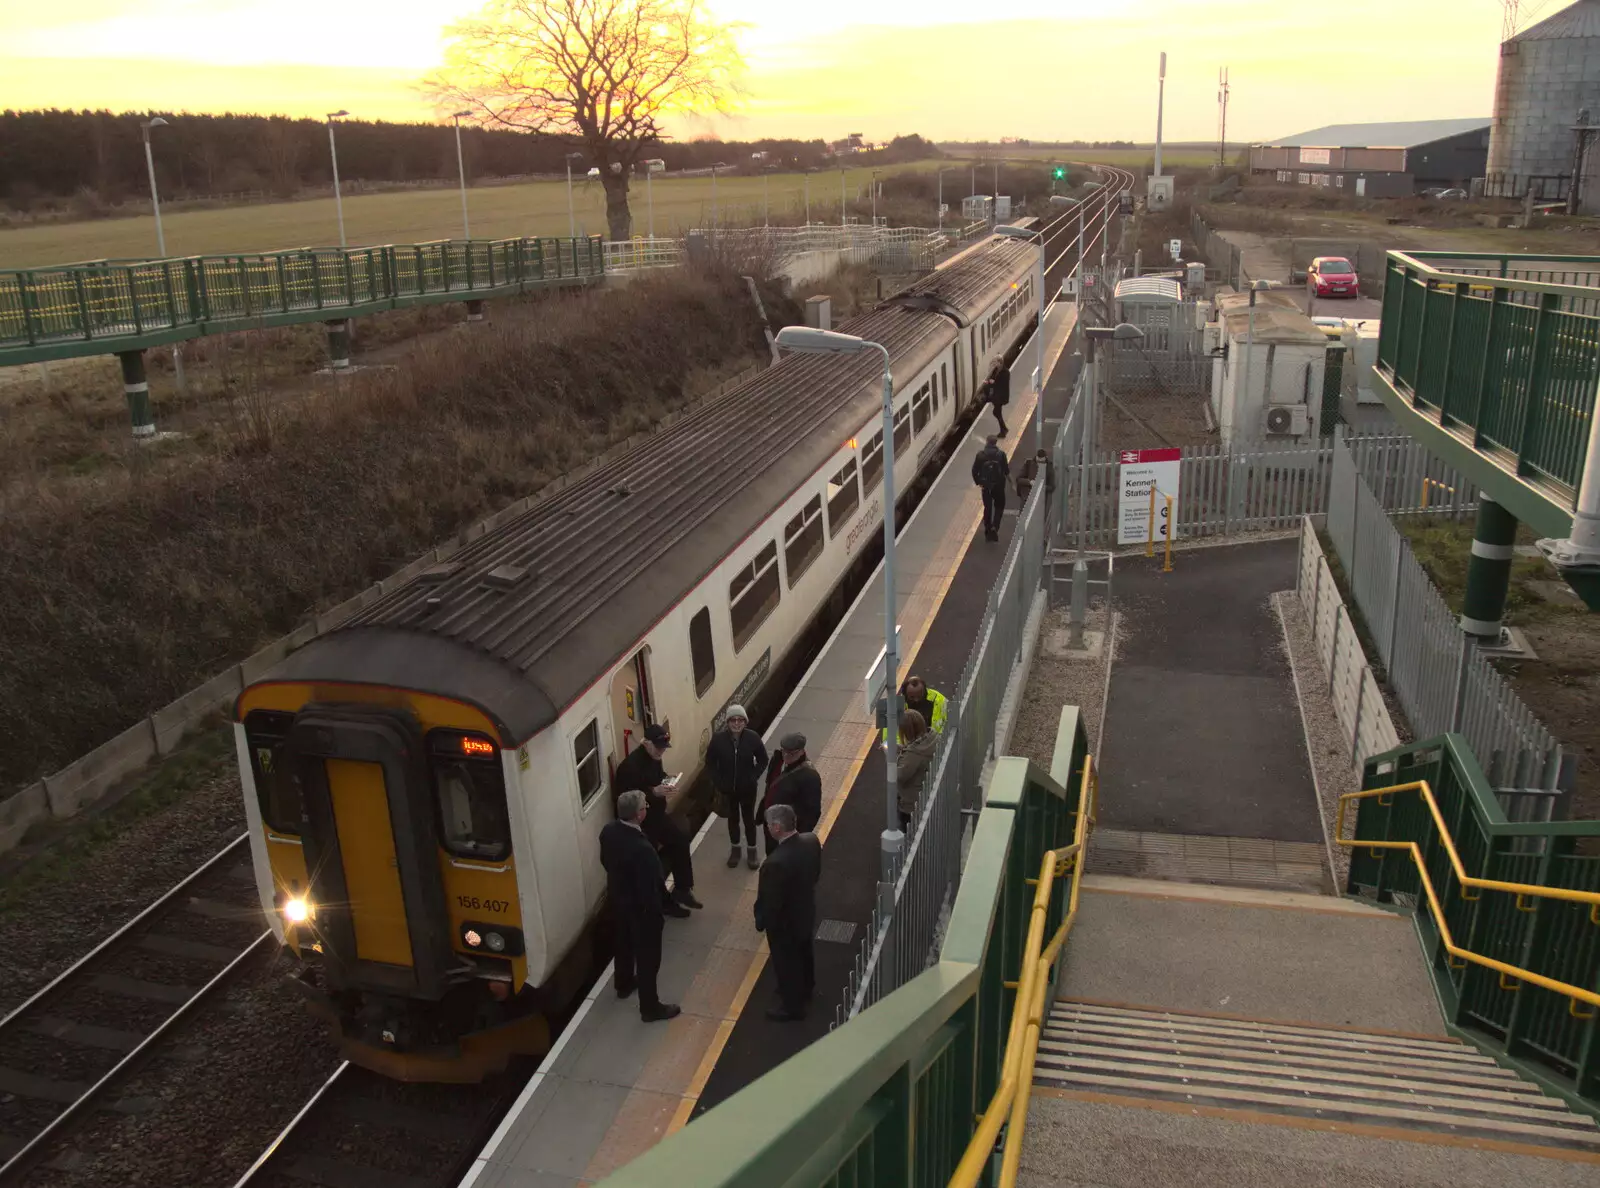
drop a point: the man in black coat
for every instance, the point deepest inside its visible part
(990, 470)
(737, 759)
(634, 888)
(798, 785)
(786, 910)
(642, 771)
(999, 393)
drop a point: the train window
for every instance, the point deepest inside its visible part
(586, 759)
(944, 381)
(843, 497)
(278, 792)
(872, 461)
(753, 594)
(920, 409)
(802, 539)
(701, 653)
(469, 787)
(902, 429)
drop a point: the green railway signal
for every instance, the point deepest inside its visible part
(1060, 172)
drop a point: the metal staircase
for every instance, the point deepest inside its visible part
(1348, 1076)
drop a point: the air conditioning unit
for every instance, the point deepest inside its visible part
(1287, 420)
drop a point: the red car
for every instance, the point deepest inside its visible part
(1332, 276)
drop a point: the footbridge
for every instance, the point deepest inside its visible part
(1493, 362)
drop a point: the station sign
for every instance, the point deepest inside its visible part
(1140, 472)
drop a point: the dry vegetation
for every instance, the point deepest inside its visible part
(134, 582)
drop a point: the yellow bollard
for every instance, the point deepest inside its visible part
(1167, 568)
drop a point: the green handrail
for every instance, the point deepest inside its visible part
(892, 1096)
(1490, 895)
(1499, 351)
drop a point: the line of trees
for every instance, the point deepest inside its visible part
(50, 156)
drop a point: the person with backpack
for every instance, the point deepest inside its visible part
(998, 393)
(990, 472)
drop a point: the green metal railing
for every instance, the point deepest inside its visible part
(108, 306)
(1552, 1037)
(1499, 355)
(892, 1097)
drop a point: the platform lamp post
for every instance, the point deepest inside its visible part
(333, 155)
(1092, 335)
(461, 170)
(808, 341)
(161, 238)
(572, 217)
(1011, 232)
(874, 180)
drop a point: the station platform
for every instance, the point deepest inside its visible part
(613, 1086)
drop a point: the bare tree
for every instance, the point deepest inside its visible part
(599, 73)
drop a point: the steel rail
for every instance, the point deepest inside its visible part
(283, 1135)
(116, 1070)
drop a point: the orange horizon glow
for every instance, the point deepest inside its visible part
(1041, 69)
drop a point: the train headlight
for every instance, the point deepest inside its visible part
(473, 938)
(297, 910)
(496, 942)
(483, 937)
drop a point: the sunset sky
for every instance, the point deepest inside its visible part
(1046, 69)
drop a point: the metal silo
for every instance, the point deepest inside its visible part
(1549, 83)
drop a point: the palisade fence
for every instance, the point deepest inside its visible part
(902, 248)
(898, 948)
(1441, 680)
(1266, 488)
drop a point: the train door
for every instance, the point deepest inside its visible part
(631, 706)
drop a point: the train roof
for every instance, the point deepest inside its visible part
(525, 618)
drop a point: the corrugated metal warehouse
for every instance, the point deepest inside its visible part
(1548, 88)
(1379, 160)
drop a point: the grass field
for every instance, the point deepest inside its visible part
(416, 216)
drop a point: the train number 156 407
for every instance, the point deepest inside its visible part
(473, 904)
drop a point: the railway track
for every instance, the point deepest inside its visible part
(63, 1049)
(360, 1129)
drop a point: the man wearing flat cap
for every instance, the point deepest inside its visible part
(798, 785)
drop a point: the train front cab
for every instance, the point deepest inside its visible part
(382, 821)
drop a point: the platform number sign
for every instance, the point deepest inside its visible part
(1139, 472)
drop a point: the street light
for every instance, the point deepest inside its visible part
(333, 153)
(940, 202)
(650, 197)
(808, 341)
(1011, 232)
(461, 168)
(1122, 332)
(161, 239)
(874, 197)
(572, 218)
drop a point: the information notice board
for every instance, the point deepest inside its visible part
(1142, 470)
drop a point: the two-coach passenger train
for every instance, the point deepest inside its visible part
(425, 785)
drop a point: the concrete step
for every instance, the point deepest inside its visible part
(1397, 1081)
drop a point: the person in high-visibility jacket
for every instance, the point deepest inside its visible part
(930, 703)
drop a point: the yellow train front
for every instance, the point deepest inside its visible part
(383, 842)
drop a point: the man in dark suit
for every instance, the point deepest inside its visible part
(798, 785)
(635, 886)
(786, 910)
(643, 771)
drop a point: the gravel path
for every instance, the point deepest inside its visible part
(1060, 677)
(66, 899)
(1329, 748)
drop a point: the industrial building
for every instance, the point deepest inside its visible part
(1388, 160)
(1547, 109)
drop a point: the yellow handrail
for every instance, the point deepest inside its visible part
(1027, 1013)
(1521, 890)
